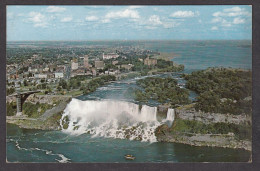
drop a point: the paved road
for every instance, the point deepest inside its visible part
(57, 109)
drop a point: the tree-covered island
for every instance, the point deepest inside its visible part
(163, 90)
(221, 115)
(222, 90)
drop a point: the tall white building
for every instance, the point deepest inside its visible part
(74, 65)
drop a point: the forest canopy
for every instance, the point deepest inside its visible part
(163, 90)
(222, 90)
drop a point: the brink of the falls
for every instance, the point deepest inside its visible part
(110, 118)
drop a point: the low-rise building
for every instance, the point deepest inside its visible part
(99, 64)
(45, 69)
(114, 62)
(150, 62)
(33, 70)
(86, 64)
(110, 56)
(40, 76)
(59, 74)
(140, 59)
(128, 66)
(94, 71)
(74, 65)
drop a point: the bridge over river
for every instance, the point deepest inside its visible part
(21, 97)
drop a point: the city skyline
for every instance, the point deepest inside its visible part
(61, 23)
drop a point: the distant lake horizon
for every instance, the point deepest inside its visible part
(193, 54)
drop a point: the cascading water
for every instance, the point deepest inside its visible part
(117, 119)
(110, 118)
(170, 115)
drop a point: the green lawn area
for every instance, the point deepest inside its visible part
(75, 93)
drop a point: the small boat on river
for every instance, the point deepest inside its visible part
(129, 157)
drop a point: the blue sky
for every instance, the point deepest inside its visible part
(198, 22)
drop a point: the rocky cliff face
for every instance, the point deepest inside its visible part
(48, 99)
(166, 134)
(208, 118)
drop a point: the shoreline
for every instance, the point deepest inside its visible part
(163, 133)
(174, 138)
(204, 140)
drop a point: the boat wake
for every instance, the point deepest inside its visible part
(62, 159)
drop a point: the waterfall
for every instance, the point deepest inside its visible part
(110, 118)
(169, 118)
(170, 115)
(148, 113)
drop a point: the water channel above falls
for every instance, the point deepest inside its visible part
(117, 90)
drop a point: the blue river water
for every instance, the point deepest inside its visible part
(25, 145)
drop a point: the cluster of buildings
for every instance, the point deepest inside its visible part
(150, 62)
(110, 56)
(77, 66)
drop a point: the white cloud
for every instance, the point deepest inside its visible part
(226, 23)
(105, 20)
(238, 20)
(221, 21)
(170, 24)
(232, 12)
(38, 19)
(91, 18)
(234, 9)
(216, 20)
(184, 14)
(155, 20)
(214, 28)
(127, 13)
(55, 9)
(230, 16)
(66, 19)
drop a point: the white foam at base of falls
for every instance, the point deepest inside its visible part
(109, 118)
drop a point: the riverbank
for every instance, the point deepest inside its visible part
(207, 129)
(209, 140)
(45, 120)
